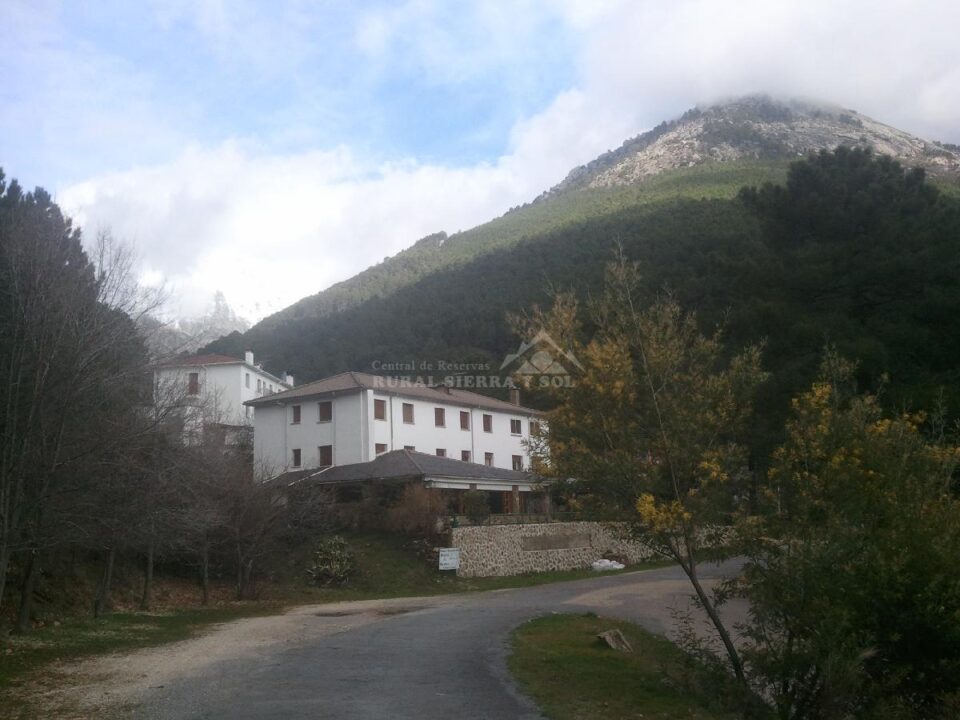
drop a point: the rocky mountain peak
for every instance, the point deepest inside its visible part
(755, 127)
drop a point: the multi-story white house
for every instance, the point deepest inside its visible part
(212, 389)
(356, 417)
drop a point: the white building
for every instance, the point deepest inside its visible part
(355, 417)
(212, 389)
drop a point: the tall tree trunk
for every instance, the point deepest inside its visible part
(205, 573)
(711, 610)
(103, 592)
(4, 563)
(147, 598)
(239, 573)
(247, 580)
(26, 591)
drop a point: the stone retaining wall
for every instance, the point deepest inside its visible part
(519, 549)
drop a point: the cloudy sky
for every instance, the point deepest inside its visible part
(270, 149)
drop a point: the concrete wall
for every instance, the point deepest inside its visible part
(276, 434)
(269, 441)
(518, 549)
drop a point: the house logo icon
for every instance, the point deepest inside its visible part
(542, 358)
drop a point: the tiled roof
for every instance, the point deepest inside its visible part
(348, 381)
(405, 464)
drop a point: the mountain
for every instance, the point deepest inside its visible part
(165, 339)
(848, 248)
(755, 128)
(707, 152)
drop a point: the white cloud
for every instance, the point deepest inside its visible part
(269, 228)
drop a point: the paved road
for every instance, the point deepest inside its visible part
(425, 658)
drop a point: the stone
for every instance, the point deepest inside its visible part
(615, 639)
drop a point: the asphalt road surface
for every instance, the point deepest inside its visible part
(420, 658)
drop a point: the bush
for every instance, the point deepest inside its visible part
(418, 511)
(476, 506)
(333, 562)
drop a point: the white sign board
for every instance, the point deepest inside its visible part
(449, 558)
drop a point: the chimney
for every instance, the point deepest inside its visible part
(248, 357)
(288, 378)
(514, 396)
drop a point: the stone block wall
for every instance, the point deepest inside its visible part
(518, 549)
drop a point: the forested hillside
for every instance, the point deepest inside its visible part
(851, 250)
(708, 152)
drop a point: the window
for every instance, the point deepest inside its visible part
(296, 457)
(381, 448)
(380, 409)
(488, 459)
(464, 420)
(325, 455)
(246, 380)
(193, 384)
(325, 411)
(439, 417)
(534, 428)
(296, 414)
(441, 452)
(408, 413)
(411, 448)
(465, 455)
(259, 385)
(518, 462)
(515, 427)
(488, 423)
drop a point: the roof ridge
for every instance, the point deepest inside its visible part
(409, 454)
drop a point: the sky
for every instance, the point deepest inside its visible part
(270, 149)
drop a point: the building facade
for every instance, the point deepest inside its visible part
(355, 417)
(211, 390)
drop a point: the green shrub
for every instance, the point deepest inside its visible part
(332, 563)
(476, 506)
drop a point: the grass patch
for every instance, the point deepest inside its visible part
(74, 638)
(388, 567)
(560, 662)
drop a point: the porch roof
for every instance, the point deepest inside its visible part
(407, 465)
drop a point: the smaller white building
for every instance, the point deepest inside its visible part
(211, 390)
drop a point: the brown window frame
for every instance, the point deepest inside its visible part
(488, 459)
(441, 452)
(379, 409)
(320, 414)
(517, 462)
(487, 423)
(321, 450)
(296, 415)
(465, 455)
(464, 419)
(193, 383)
(380, 448)
(297, 458)
(516, 423)
(413, 418)
(439, 417)
(411, 448)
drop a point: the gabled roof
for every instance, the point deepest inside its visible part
(402, 465)
(350, 381)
